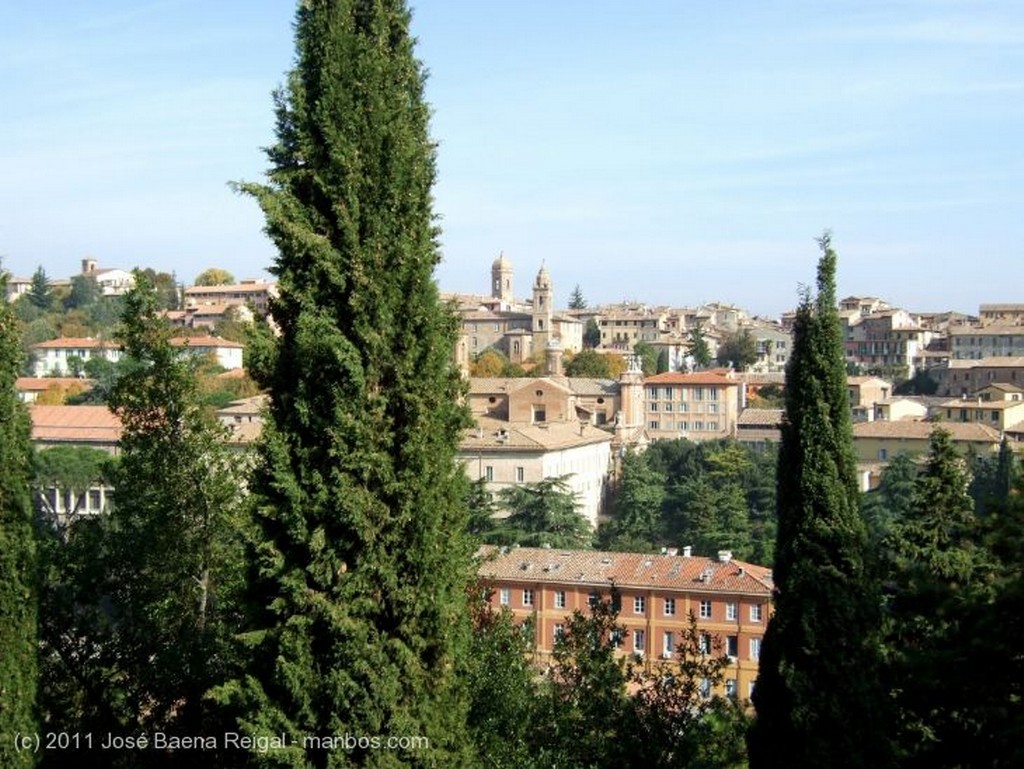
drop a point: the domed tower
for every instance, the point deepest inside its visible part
(501, 281)
(543, 309)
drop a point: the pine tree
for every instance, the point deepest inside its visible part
(576, 300)
(362, 563)
(697, 348)
(818, 697)
(939, 570)
(40, 294)
(18, 586)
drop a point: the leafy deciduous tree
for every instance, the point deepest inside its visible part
(214, 276)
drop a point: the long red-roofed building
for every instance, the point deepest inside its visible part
(730, 599)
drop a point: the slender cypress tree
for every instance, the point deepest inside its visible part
(18, 587)
(818, 697)
(360, 618)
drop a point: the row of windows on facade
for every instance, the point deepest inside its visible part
(680, 393)
(668, 606)
(682, 408)
(489, 474)
(654, 424)
(668, 646)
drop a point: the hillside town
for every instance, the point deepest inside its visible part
(907, 370)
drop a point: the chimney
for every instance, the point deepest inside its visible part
(688, 551)
(672, 551)
(725, 556)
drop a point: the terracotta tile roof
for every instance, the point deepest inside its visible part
(960, 431)
(972, 403)
(42, 384)
(627, 570)
(74, 424)
(73, 342)
(498, 435)
(699, 378)
(234, 288)
(765, 417)
(203, 341)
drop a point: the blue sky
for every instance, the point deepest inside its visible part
(672, 152)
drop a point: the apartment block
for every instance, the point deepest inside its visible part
(730, 600)
(701, 406)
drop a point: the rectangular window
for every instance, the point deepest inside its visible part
(698, 426)
(713, 425)
(653, 407)
(639, 605)
(755, 613)
(652, 393)
(559, 599)
(755, 648)
(527, 597)
(504, 596)
(698, 393)
(670, 607)
(705, 609)
(712, 393)
(730, 688)
(559, 632)
(732, 645)
(520, 474)
(712, 408)
(683, 407)
(730, 611)
(705, 643)
(639, 642)
(653, 424)
(669, 646)
(489, 473)
(668, 406)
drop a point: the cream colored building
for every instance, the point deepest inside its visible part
(701, 406)
(506, 454)
(992, 341)
(965, 377)
(865, 392)
(256, 294)
(877, 442)
(53, 357)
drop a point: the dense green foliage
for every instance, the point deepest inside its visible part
(591, 334)
(359, 621)
(576, 300)
(541, 514)
(738, 350)
(818, 697)
(717, 495)
(141, 604)
(589, 363)
(595, 706)
(648, 358)
(937, 569)
(71, 470)
(697, 348)
(214, 276)
(18, 564)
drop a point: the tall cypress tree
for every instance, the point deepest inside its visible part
(359, 592)
(18, 588)
(818, 697)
